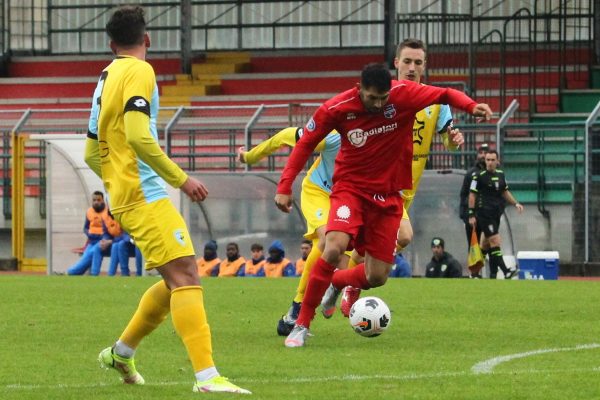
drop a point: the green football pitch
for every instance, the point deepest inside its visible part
(448, 339)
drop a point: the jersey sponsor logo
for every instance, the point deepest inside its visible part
(389, 111)
(343, 213)
(311, 125)
(358, 137)
(418, 127)
(179, 236)
(350, 116)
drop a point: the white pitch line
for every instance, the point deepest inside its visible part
(342, 378)
(486, 367)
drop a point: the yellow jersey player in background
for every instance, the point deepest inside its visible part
(314, 201)
(122, 149)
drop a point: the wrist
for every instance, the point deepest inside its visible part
(517, 203)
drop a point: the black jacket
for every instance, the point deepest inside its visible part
(445, 267)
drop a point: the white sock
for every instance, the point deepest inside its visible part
(207, 374)
(121, 349)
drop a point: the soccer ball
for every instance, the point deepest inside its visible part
(370, 316)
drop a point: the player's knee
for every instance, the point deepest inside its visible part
(403, 241)
(376, 279)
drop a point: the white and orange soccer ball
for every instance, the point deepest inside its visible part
(370, 316)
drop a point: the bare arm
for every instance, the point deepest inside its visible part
(512, 201)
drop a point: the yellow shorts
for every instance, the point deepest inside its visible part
(314, 202)
(159, 232)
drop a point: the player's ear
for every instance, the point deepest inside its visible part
(146, 40)
(113, 47)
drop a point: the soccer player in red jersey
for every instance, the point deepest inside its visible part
(374, 164)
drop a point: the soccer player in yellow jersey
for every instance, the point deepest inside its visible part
(122, 149)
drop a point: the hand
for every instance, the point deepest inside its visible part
(194, 189)
(483, 112)
(472, 221)
(456, 136)
(240, 154)
(283, 202)
(520, 207)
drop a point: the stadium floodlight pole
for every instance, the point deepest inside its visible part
(514, 105)
(587, 176)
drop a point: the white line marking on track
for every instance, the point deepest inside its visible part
(486, 367)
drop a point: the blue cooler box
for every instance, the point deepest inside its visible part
(538, 264)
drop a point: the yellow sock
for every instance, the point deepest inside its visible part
(189, 319)
(152, 310)
(312, 258)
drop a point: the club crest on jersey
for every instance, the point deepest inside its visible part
(311, 125)
(179, 236)
(389, 111)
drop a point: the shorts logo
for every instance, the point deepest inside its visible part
(311, 125)
(140, 103)
(389, 111)
(178, 233)
(319, 213)
(343, 213)
(491, 227)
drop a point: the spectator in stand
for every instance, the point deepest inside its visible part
(255, 266)
(305, 249)
(232, 265)
(277, 265)
(442, 264)
(208, 265)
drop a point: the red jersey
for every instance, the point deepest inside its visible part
(376, 152)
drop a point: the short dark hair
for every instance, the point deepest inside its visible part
(126, 26)
(306, 241)
(376, 75)
(256, 247)
(411, 43)
(492, 151)
(98, 193)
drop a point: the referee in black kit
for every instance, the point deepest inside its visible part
(487, 198)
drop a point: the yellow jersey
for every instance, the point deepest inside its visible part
(122, 134)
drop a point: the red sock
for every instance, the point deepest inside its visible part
(355, 277)
(320, 277)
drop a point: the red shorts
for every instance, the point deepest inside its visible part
(371, 220)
